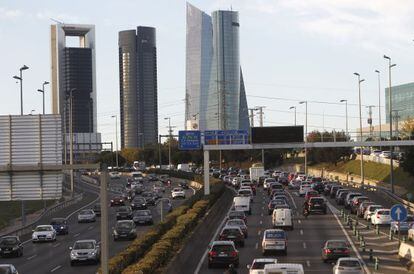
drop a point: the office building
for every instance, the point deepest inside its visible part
(215, 93)
(402, 98)
(73, 72)
(138, 87)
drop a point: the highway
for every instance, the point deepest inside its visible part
(306, 240)
(53, 257)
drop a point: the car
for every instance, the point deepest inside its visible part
(339, 191)
(127, 195)
(362, 207)
(349, 197)
(318, 186)
(143, 216)
(232, 233)
(370, 210)
(381, 216)
(138, 203)
(159, 186)
(11, 246)
(274, 240)
(333, 191)
(303, 189)
(403, 227)
(117, 201)
(60, 225)
(250, 184)
(240, 223)
(311, 193)
(178, 192)
(8, 269)
(97, 209)
(385, 154)
(114, 175)
(124, 229)
(283, 180)
(86, 216)
(124, 213)
(236, 214)
(152, 177)
(183, 185)
(257, 266)
(282, 218)
(274, 186)
(222, 253)
(149, 197)
(327, 189)
(335, 249)
(245, 192)
(267, 182)
(272, 205)
(317, 204)
(294, 184)
(349, 265)
(340, 200)
(43, 233)
(85, 251)
(356, 201)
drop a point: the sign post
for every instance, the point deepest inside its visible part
(398, 214)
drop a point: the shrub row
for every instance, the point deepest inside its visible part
(161, 252)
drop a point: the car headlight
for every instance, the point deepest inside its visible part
(61, 227)
(112, 201)
(15, 248)
(93, 253)
(133, 230)
(115, 233)
(121, 200)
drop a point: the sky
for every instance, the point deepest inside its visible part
(291, 50)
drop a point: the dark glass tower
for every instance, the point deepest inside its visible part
(138, 87)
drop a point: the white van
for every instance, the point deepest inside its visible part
(242, 204)
(282, 218)
(283, 269)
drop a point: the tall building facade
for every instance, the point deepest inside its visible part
(215, 93)
(138, 87)
(73, 72)
(402, 99)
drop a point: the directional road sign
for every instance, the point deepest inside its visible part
(398, 213)
(189, 139)
(226, 137)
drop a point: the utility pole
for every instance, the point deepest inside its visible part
(360, 126)
(169, 141)
(260, 109)
(294, 107)
(251, 116)
(371, 128)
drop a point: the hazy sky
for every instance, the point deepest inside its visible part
(291, 50)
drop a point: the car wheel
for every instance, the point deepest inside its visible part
(72, 263)
(236, 264)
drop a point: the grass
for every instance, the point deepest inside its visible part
(374, 171)
(12, 210)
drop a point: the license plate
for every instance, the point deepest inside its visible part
(82, 259)
(141, 222)
(6, 251)
(231, 237)
(223, 255)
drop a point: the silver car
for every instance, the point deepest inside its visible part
(348, 265)
(44, 233)
(143, 217)
(8, 268)
(86, 216)
(85, 251)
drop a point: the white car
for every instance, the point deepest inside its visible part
(114, 175)
(178, 193)
(43, 233)
(246, 192)
(267, 182)
(370, 210)
(274, 240)
(8, 268)
(86, 216)
(381, 217)
(258, 265)
(304, 188)
(348, 265)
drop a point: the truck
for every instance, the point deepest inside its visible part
(184, 167)
(256, 171)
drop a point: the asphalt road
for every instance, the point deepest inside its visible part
(53, 257)
(306, 240)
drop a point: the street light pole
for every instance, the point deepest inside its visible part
(346, 115)
(390, 65)
(360, 126)
(116, 139)
(43, 94)
(306, 135)
(294, 107)
(169, 141)
(24, 67)
(379, 103)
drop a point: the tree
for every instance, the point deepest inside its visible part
(408, 163)
(407, 129)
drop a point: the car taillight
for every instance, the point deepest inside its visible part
(212, 253)
(327, 251)
(233, 254)
(346, 251)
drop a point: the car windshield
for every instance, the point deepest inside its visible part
(337, 244)
(349, 263)
(57, 222)
(8, 241)
(275, 235)
(139, 200)
(84, 245)
(123, 209)
(43, 228)
(124, 225)
(236, 214)
(85, 212)
(373, 208)
(223, 248)
(231, 231)
(177, 189)
(235, 222)
(5, 270)
(317, 200)
(260, 265)
(142, 213)
(383, 212)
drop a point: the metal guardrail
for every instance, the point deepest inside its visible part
(28, 228)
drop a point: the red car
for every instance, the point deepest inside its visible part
(117, 201)
(311, 193)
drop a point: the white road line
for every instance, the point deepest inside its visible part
(301, 232)
(304, 245)
(91, 227)
(256, 246)
(332, 208)
(31, 257)
(261, 215)
(261, 222)
(56, 268)
(262, 207)
(56, 245)
(76, 235)
(299, 221)
(260, 232)
(308, 263)
(293, 201)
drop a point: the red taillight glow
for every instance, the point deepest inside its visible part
(233, 254)
(346, 251)
(212, 253)
(327, 251)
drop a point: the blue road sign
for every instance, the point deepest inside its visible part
(226, 137)
(189, 140)
(398, 213)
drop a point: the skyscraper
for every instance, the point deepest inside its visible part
(215, 93)
(138, 87)
(73, 72)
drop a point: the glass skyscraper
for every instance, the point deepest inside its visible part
(402, 98)
(215, 94)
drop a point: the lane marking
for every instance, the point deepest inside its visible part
(260, 232)
(31, 257)
(262, 214)
(301, 232)
(262, 207)
(56, 268)
(308, 263)
(256, 246)
(299, 221)
(76, 235)
(304, 245)
(332, 208)
(261, 222)
(91, 227)
(293, 201)
(56, 245)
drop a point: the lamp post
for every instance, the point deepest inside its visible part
(294, 107)
(43, 94)
(360, 125)
(169, 141)
(31, 112)
(379, 103)
(116, 139)
(24, 67)
(306, 135)
(390, 65)
(346, 115)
